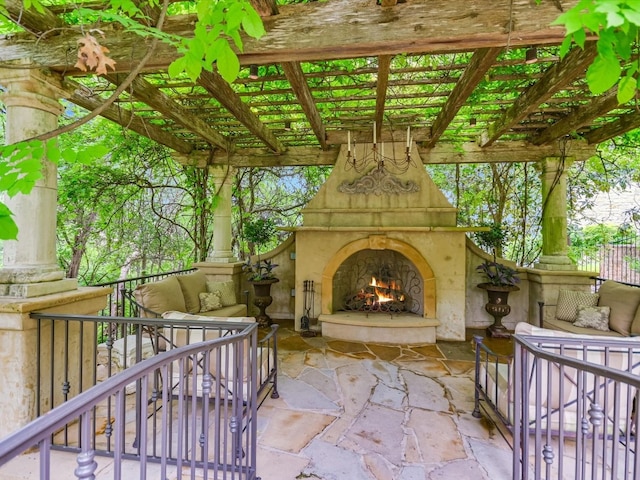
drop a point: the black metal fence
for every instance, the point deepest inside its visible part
(619, 260)
(117, 306)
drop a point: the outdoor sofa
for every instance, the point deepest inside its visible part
(611, 311)
(189, 293)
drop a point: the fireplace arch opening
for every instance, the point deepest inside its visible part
(378, 281)
(404, 282)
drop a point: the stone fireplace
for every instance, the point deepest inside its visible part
(396, 228)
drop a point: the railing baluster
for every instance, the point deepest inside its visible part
(195, 386)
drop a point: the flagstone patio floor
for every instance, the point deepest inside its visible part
(353, 411)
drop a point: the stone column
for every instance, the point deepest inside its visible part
(222, 178)
(553, 171)
(30, 262)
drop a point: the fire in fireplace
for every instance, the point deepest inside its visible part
(379, 296)
(378, 281)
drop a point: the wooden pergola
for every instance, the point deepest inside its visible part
(476, 81)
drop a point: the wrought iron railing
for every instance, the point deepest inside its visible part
(117, 305)
(191, 406)
(570, 404)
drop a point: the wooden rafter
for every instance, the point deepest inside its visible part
(222, 91)
(624, 124)
(475, 71)
(78, 95)
(294, 74)
(32, 20)
(577, 118)
(265, 8)
(384, 67)
(152, 96)
(557, 77)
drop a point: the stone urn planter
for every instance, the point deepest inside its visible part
(262, 299)
(498, 307)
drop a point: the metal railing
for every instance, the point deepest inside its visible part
(570, 404)
(192, 406)
(117, 305)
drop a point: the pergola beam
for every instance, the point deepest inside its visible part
(265, 8)
(301, 32)
(294, 74)
(556, 78)
(222, 91)
(157, 99)
(80, 96)
(384, 67)
(623, 125)
(34, 21)
(580, 116)
(478, 66)
(468, 152)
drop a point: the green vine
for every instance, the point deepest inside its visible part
(615, 24)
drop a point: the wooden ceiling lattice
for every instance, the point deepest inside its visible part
(454, 71)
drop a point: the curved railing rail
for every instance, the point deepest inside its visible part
(197, 410)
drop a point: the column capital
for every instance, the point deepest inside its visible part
(222, 172)
(549, 165)
(31, 88)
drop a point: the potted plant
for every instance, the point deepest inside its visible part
(501, 280)
(260, 273)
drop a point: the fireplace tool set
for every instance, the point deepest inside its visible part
(305, 320)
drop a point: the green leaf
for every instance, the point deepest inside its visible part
(7, 181)
(177, 67)
(566, 46)
(580, 37)
(633, 16)
(626, 89)
(68, 154)
(8, 228)
(228, 64)
(235, 15)
(603, 74)
(53, 151)
(571, 20)
(252, 24)
(193, 68)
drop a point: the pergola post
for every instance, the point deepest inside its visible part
(553, 172)
(30, 262)
(222, 178)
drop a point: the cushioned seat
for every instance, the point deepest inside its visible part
(190, 293)
(564, 326)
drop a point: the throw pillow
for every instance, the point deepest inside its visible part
(192, 284)
(160, 296)
(209, 301)
(227, 292)
(569, 301)
(593, 317)
(623, 301)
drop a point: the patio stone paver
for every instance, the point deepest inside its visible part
(399, 413)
